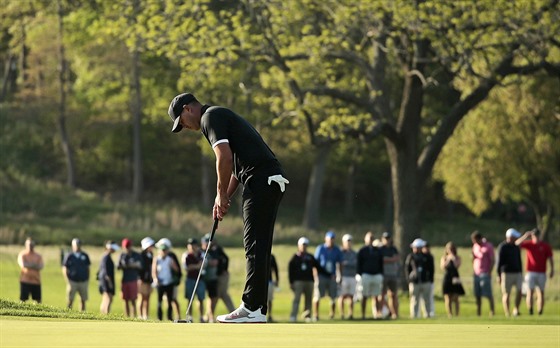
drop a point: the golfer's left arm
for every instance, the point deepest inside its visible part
(224, 169)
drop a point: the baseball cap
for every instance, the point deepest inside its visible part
(418, 243)
(112, 245)
(386, 235)
(329, 234)
(176, 107)
(302, 241)
(512, 232)
(192, 241)
(164, 244)
(147, 242)
(346, 237)
(205, 238)
(76, 241)
(126, 243)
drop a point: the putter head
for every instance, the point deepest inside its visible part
(183, 321)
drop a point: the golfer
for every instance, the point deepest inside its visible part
(241, 157)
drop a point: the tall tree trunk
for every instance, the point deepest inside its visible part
(136, 109)
(65, 142)
(311, 217)
(349, 192)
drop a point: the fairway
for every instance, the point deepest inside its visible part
(56, 333)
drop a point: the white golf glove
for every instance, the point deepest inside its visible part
(280, 180)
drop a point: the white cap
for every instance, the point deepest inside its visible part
(512, 232)
(112, 245)
(164, 242)
(418, 243)
(346, 238)
(302, 241)
(147, 242)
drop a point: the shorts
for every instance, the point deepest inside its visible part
(326, 285)
(347, 286)
(509, 280)
(77, 287)
(483, 285)
(129, 290)
(144, 289)
(372, 284)
(390, 283)
(535, 279)
(104, 288)
(26, 289)
(200, 289)
(212, 288)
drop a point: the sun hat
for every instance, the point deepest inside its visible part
(147, 242)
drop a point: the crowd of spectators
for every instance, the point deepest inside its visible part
(371, 273)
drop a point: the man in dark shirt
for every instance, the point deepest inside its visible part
(418, 272)
(75, 269)
(510, 270)
(106, 277)
(191, 262)
(370, 269)
(130, 262)
(243, 157)
(302, 275)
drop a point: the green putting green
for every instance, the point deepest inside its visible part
(18, 332)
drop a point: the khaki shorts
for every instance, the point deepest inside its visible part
(77, 287)
(509, 280)
(372, 284)
(348, 286)
(144, 289)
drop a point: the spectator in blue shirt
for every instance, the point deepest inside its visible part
(75, 268)
(329, 257)
(130, 262)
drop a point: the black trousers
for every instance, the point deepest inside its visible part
(260, 206)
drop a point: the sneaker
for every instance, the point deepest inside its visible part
(242, 315)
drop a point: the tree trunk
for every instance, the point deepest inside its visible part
(136, 108)
(65, 142)
(349, 193)
(311, 216)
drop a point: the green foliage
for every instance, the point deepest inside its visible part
(508, 150)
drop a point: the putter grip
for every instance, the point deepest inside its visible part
(214, 228)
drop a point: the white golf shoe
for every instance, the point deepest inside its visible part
(242, 315)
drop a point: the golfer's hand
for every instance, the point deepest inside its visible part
(221, 207)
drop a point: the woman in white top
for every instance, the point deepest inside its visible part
(162, 273)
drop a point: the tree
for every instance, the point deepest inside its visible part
(508, 150)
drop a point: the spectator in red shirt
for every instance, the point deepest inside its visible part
(537, 252)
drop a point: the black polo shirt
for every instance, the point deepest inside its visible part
(251, 155)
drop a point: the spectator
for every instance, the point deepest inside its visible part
(452, 286)
(31, 264)
(106, 277)
(391, 267)
(370, 269)
(508, 266)
(210, 272)
(348, 270)
(75, 269)
(223, 276)
(192, 263)
(483, 261)
(418, 277)
(329, 257)
(145, 281)
(163, 267)
(302, 274)
(272, 285)
(130, 262)
(177, 274)
(430, 305)
(538, 252)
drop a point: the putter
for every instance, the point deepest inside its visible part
(188, 319)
